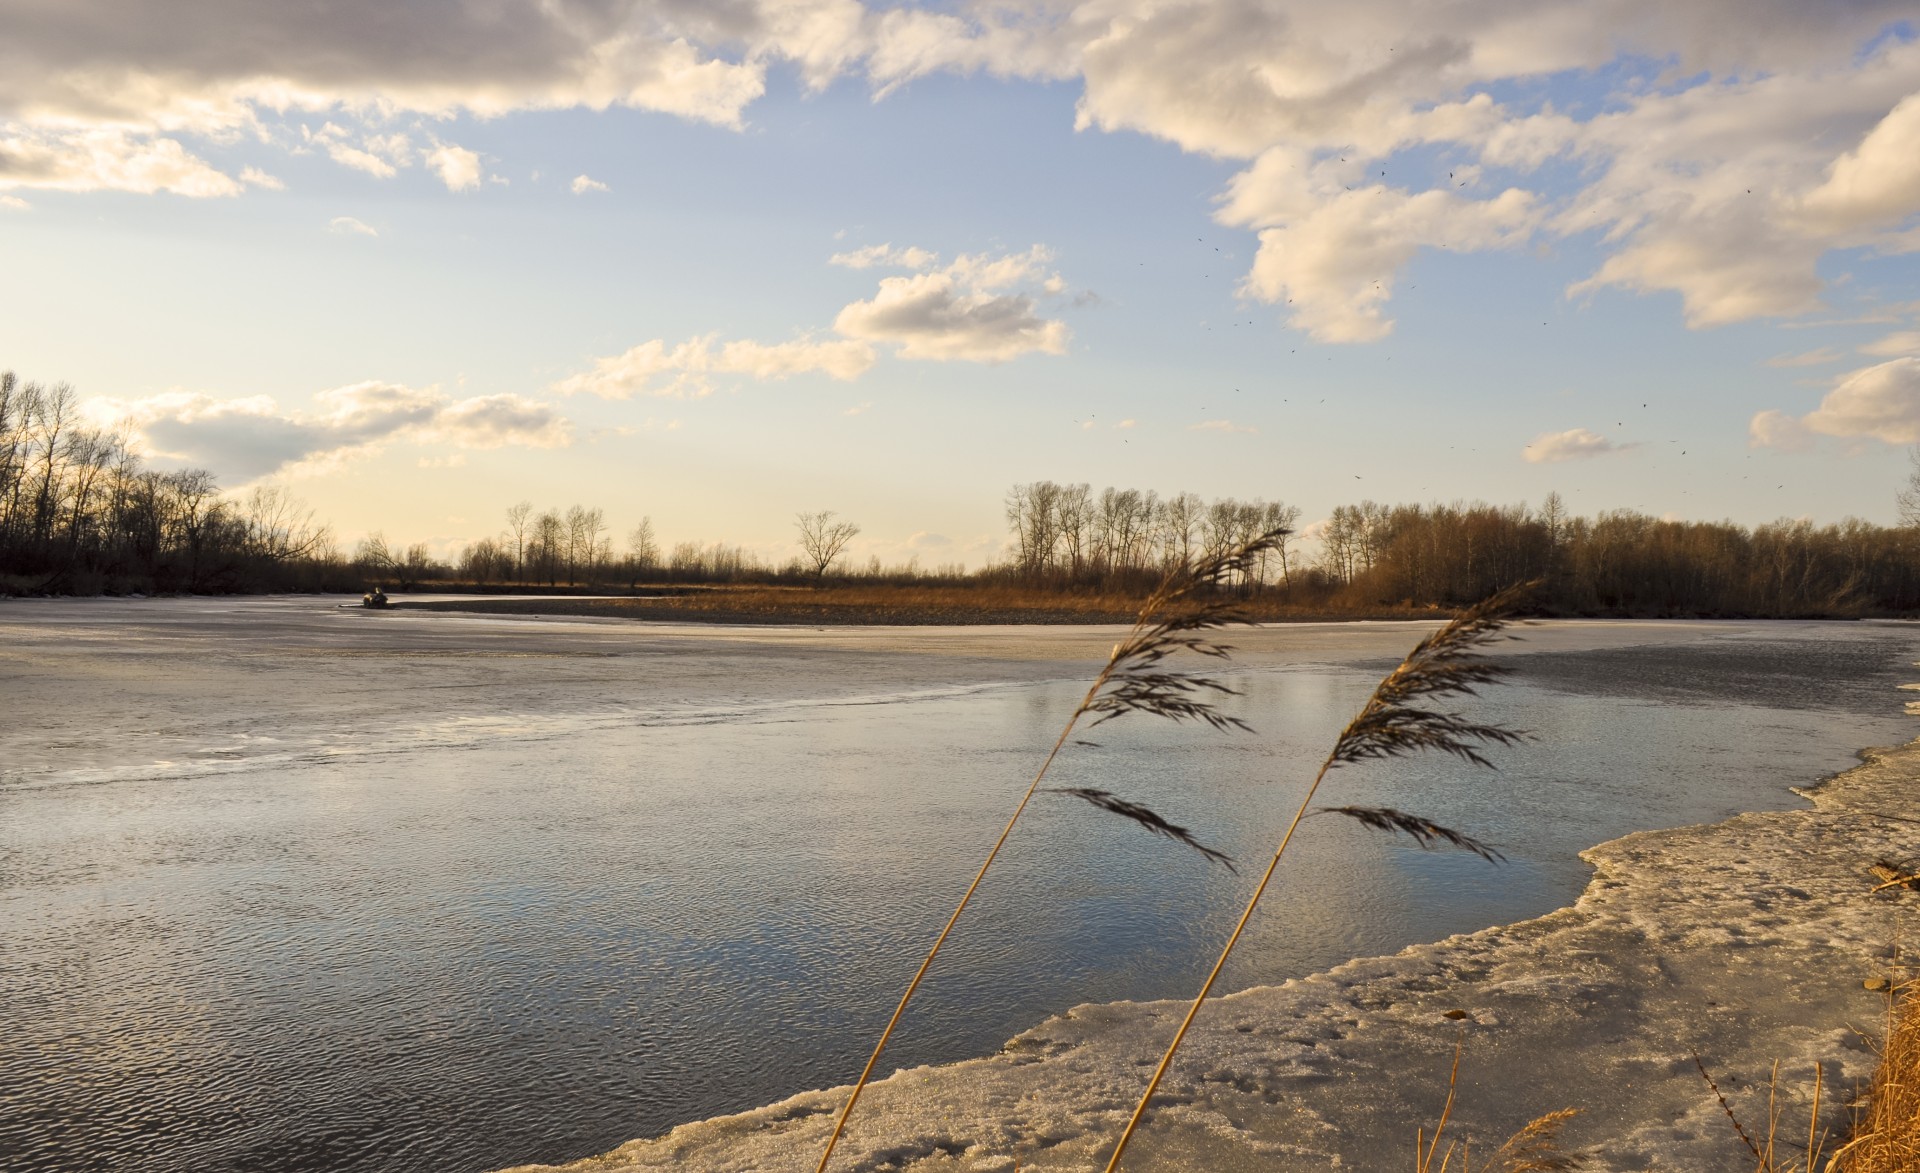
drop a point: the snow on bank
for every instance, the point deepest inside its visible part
(1747, 940)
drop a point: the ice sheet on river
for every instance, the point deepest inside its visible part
(1747, 940)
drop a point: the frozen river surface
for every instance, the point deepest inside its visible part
(289, 886)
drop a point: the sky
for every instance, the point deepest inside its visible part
(719, 263)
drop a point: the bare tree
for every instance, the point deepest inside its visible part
(517, 520)
(549, 544)
(373, 553)
(584, 527)
(279, 527)
(484, 561)
(1179, 525)
(1283, 519)
(1908, 498)
(417, 565)
(823, 538)
(643, 548)
(1034, 513)
(1073, 521)
(598, 549)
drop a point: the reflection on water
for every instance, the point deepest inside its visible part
(552, 930)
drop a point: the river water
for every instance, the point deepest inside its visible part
(286, 885)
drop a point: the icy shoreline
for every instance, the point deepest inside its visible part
(1746, 940)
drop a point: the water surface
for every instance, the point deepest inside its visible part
(289, 886)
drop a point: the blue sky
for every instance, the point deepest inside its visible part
(1239, 248)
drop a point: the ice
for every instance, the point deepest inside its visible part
(1745, 940)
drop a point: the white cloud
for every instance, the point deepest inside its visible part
(349, 226)
(685, 370)
(1717, 149)
(104, 160)
(499, 421)
(974, 309)
(212, 65)
(245, 439)
(1895, 345)
(1335, 264)
(14, 203)
(360, 160)
(1808, 358)
(582, 184)
(254, 177)
(1777, 429)
(1880, 402)
(457, 167)
(885, 255)
(1572, 444)
(1222, 426)
(929, 541)
(380, 156)
(1878, 182)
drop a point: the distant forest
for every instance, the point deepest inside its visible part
(80, 513)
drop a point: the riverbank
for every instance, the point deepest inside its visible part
(1749, 941)
(866, 606)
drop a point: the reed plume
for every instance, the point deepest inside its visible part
(1107, 801)
(1536, 1147)
(1533, 1149)
(1392, 724)
(1177, 617)
(1425, 832)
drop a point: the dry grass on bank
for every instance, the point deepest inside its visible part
(1886, 1135)
(884, 603)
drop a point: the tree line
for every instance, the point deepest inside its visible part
(81, 513)
(575, 547)
(1447, 555)
(1068, 535)
(1618, 563)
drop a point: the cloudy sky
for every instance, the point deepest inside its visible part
(720, 261)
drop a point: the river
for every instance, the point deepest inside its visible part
(289, 885)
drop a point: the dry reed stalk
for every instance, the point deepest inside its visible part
(1135, 679)
(1533, 1149)
(1894, 875)
(1425, 1162)
(1728, 1109)
(1391, 724)
(1763, 1156)
(1887, 1138)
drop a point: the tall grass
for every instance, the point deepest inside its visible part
(1396, 721)
(1886, 1134)
(1179, 617)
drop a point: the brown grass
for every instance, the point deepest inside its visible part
(1886, 1135)
(1533, 1149)
(863, 604)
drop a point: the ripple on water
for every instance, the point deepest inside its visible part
(531, 934)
